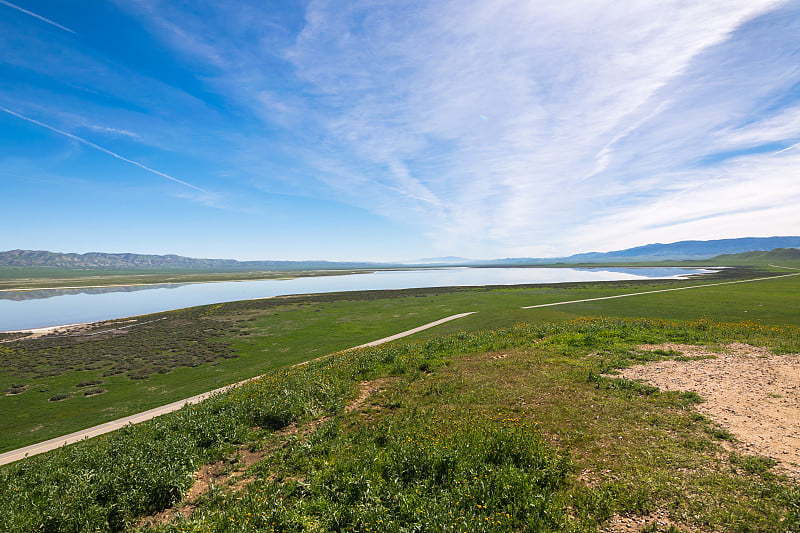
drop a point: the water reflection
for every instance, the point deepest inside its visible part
(649, 272)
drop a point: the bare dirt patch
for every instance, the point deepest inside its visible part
(750, 392)
(366, 389)
(77, 330)
(624, 524)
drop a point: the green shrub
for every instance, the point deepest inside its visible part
(58, 397)
(90, 382)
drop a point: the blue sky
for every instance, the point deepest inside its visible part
(394, 130)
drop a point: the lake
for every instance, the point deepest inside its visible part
(43, 308)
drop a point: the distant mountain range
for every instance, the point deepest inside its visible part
(690, 249)
(125, 261)
(676, 251)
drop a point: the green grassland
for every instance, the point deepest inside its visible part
(169, 356)
(513, 429)
(477, 425)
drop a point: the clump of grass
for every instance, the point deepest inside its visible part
(752, 464)
(18, 388)
(666, 353)
(691, 397)
(621, 384)
(720, 433)
(90, 382)
(58, 397)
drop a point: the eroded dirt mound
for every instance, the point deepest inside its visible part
(753, 394)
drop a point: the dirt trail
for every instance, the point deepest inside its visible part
(232, 475)
(753, 394)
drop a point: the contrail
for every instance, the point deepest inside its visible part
(34, 15)
(104, 150)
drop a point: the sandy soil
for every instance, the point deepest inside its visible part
(753, 394)
(41, 332)
(78, 330)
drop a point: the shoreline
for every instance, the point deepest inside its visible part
(34, 333)
(324, 273)
(48, 329)
(64, 328)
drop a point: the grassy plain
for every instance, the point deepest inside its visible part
(493, 427)
(513, 429)
(174, 355)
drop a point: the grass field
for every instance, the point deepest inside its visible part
(507, 430)
(493, 427)
(199, 349)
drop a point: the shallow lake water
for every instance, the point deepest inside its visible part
(42, 308)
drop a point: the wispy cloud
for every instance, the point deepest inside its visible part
(34, 15)
(754, 195)
(507, 127)
(573, 90)
(104, 150)
(114, 131)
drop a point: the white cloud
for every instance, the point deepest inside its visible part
(512, 127)
(113, 131)
(782, 127)
(753, 196)
(562, 83)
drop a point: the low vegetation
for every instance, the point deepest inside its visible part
(117, 348)
(153, 360)
(514, 429)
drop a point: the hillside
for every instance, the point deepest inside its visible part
(493, 428)
(511, 430)
(783, 255)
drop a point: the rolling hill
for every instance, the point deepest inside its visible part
(778, 255)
